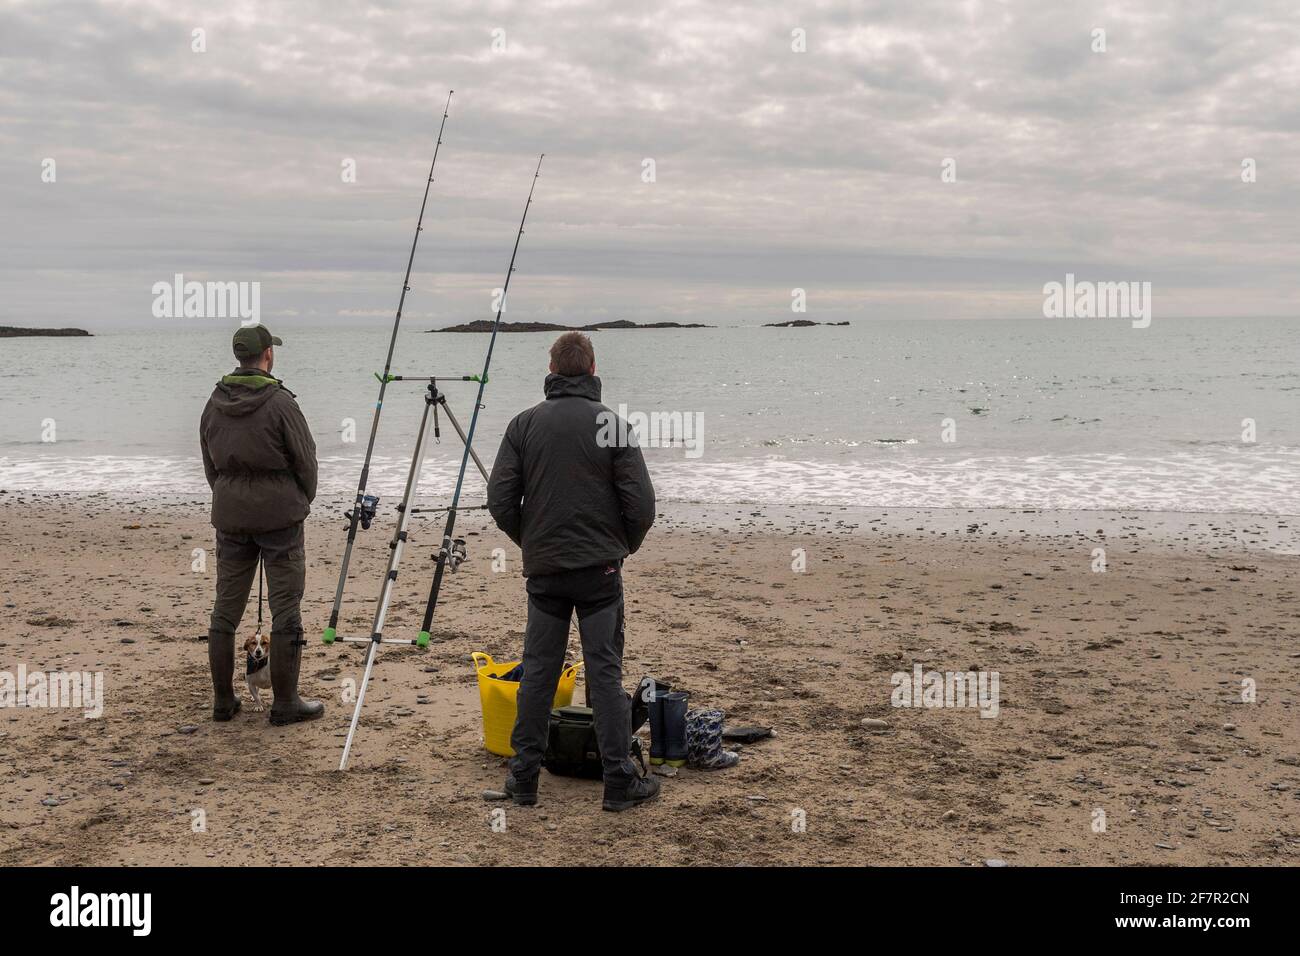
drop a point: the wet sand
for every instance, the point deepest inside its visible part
(1121, 693)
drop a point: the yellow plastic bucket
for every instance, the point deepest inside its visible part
(499, 699)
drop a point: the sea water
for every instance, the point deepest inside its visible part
(1186, 415)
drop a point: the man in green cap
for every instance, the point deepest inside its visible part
(260, 461)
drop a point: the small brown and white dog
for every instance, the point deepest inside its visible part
(258, 649)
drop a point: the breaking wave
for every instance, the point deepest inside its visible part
(1263, 481)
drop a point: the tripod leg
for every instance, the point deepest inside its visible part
(461, 432)
(361, 699)
(390, 575)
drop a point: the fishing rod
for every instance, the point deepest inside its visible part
(365, 506)
(448, 544)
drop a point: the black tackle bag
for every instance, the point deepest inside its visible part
(571, 748)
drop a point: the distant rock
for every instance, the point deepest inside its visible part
(13, 332)
(625, 324)
(798, 324)
(485, 325)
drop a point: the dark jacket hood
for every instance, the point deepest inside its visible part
(563, 386)
(258, 455)
(243, 392)
(564, 492)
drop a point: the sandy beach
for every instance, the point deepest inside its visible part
(1121, 694)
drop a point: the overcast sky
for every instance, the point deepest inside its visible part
(775, 169)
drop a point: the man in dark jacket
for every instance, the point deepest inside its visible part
(260, 462)
(578, 504)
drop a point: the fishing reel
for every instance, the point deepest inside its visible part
(457, 555)
(366, 512)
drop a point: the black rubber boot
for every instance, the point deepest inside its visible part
(286, 656)
(523, 793)
(221, 660)
(657, 729)
(674, 720)
(626, 795)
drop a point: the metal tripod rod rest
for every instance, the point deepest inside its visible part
(432, 400)
(390, 575)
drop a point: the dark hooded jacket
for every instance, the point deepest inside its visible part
(258, 454)
(562, 490)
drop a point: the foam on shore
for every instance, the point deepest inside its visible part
(1255, 481)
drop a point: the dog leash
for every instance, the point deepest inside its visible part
(260, 576)
(253, 665)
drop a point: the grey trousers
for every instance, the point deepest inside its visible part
(597, 596)
(286, 575)
(285, 560)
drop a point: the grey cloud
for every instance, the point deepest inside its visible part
(775, 169)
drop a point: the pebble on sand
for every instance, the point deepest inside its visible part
(875, 723)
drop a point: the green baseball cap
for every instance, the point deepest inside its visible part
(252, 340)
